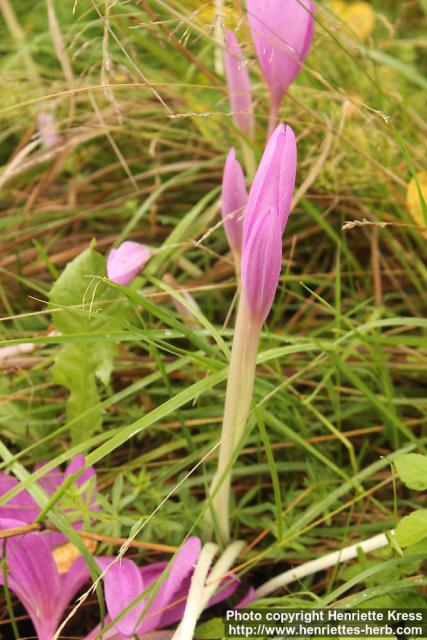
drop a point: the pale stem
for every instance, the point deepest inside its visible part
(194, 609)
(325, 562)
(236, 410)
(272, 119)
(237, 258)
(249, 158)
(185, 630)
(219, 571)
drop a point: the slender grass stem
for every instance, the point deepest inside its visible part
(219, 37)
(18, 35)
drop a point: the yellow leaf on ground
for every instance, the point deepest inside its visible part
(413, 197)
(207, 14)
(359, 16)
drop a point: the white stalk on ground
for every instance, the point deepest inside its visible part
(186, 628)
(236, 410)
(325, 562)
(213, 584)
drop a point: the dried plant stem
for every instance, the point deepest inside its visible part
(186, 628)
(87, 535)
(19, 36)
(201, 600)
(325, 562)
(61, 53)
(219, 37)
(376, 267)
(236, 410)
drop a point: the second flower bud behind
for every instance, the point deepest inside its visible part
(125, 262)
(234, 197)
(239, 85)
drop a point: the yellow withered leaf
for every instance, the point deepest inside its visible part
(206, 14)
(359, 16)
(65, 554)
(413, 197)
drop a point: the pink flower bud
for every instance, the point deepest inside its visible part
(47, 129)
(125, 262)
(261, 264)
(233, 200)
(282, 31)
(239, 85)
(274, 181)
(265, 220)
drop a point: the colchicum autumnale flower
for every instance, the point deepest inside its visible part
(125, 584)
(125, 262)
(239, 85)
(38, 573)
(282, 31)
(47, 128)
(33, 576)
(23, 507)
(234, 197)
(264, 223)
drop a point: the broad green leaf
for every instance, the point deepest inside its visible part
(412, 528)
(83, 303)
(80, 300)
(210, 630)
(76, 368)
(412, 470)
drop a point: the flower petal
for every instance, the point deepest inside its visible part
(125, 262)
(274, 181)
(174, 587)
(22, 506)
(261, 264)
(123, 584)
(233, 200)
(239, 86)
(34, 578)
(282, 31)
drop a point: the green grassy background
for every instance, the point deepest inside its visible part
(144, 128)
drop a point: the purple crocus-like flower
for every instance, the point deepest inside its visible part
(233, 201)
(282, 31)
(125, 262)
(239, 85)
(23, 507)
(261, 264)
(33, 576)
(265, 220)
(124, 584)
(34, 572)
(274, 181)
(47, 129)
